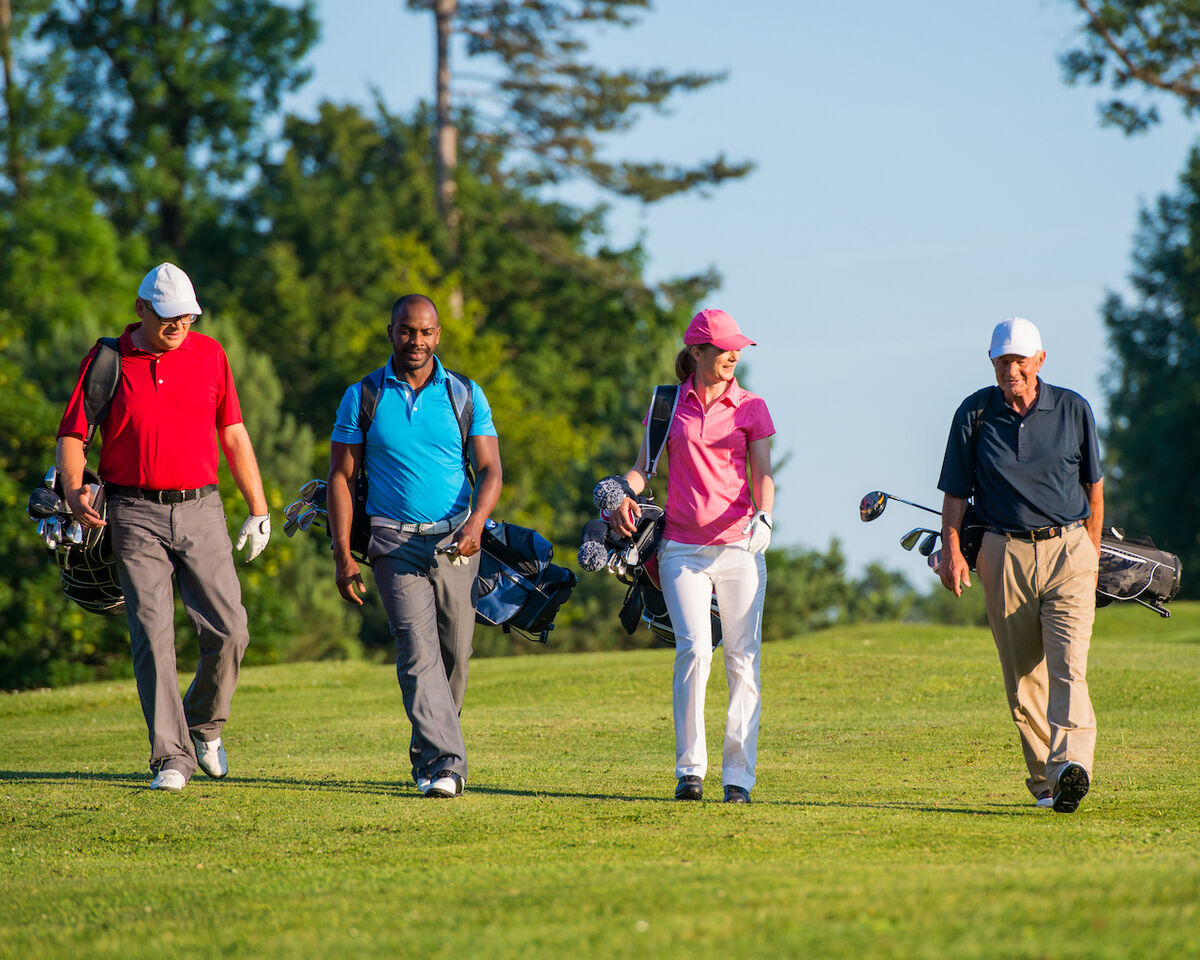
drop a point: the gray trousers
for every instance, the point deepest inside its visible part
(430, 606)
(189, 542)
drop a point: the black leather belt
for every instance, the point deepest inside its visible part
(1041, 533)
(159, 496)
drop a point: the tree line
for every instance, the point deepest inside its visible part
(136, 131)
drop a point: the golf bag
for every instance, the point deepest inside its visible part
(1136, 570)
(83, 555)
(87, 570)
(518, 586)
(634, 561)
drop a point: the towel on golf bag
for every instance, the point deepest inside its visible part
(519, 588)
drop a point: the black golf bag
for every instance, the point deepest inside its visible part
(86, 568)
(1136, 570)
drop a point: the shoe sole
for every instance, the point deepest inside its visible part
(1073, 786)
(691, 793)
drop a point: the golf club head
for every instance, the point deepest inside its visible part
(871, 506)
(304, 521)
(53, 532)
(49, 479)
(293, 509)
(290, 527)
(321, 520)
(909, 540)
(74, 534)
(41, 527)
(43, 502)
(927, 545)
(935, 561)
(310, 489)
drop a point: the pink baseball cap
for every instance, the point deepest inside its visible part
(718, 328)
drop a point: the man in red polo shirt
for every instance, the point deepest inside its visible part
(174, 402)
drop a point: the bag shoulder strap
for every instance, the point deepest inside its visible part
(462, 401)
(100, 383)
(658, 425)
(979, 401)
(368, 399)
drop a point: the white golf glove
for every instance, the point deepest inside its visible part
(257, 531)
(759, 529)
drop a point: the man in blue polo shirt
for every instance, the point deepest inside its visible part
(425, 530)
(1027, 452)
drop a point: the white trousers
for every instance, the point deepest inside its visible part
(689, 576)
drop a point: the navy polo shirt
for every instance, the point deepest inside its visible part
(1025, 472)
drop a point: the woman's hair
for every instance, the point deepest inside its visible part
(685, 363)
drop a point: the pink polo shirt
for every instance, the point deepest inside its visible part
(708, 493)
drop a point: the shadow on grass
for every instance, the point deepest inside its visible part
(136, 781)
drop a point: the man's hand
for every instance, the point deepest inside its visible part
(350, 582)
(470, 537)
(624, 519)
(79, 502)
(954, 571)
(257, 531)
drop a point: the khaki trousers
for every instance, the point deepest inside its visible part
(1041, 602)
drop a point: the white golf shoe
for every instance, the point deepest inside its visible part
(171, 780)
(210, 754)
(445, 785)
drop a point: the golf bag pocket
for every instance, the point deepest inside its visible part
(1136, 570)
(519, 587)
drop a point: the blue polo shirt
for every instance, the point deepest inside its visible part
(1026, 472)
(414, 447)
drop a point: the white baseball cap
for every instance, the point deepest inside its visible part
(169, 291)
(1015, 336)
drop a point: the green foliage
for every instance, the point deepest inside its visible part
(1143, 45)
(174, 98)
(1153, 388)
(552, 108)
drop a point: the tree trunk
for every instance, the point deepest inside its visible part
(446, 147)
(14, 161)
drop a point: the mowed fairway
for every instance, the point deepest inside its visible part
(890, 818)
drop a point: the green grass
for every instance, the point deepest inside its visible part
(890, 818)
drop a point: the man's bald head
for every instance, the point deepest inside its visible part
(413, 301)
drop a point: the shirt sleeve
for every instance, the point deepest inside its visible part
(957, 478)
(74, 420)
(345, 423)
(760, 424)
(1090, 470)
(481, 414)
(229, 407)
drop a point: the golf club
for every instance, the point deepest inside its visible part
(74, 534)
(927, 545)
(873, 504)
(51, 476)
(53, 532)
(289, 527)
(909, 540)
(293, 509)
(43, 502)
(310, 489)
(304, 521)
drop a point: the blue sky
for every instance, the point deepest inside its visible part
(923, 173)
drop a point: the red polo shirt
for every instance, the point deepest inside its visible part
(161, 432)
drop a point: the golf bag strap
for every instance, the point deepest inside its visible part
(100, 385)
(658, 425)
(979, 400)
(368, 399)
(462, 401)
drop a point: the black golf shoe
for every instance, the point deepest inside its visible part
(689, 788)
(736, 794)
(1072, 786)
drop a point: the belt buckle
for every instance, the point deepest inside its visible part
(1044, 533)
(169, 496)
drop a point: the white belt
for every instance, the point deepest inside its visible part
(436, 527)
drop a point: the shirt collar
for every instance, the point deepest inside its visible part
(439, 372)
(1045, 398)
(732, 397)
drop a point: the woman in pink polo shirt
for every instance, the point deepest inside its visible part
(720, 495)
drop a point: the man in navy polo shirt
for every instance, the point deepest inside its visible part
(425, 530)
(1027, 452)
(175, 401)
